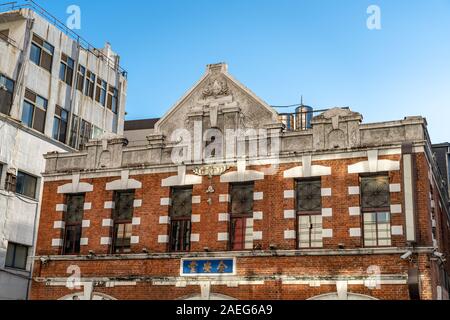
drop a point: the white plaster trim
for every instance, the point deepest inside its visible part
(124, 183)
(87, 206)
(136, 221)
(395, 187)
(397, 230)
(222, 236)
(257, 215)
(300, 172)
(195, 218)
(57, 242)
(137, 203)
(373, 166)
(289, 194)
(163, 238)
(326, 192)
(289, 234)
(327, 212)
(236, 176)
(109, 205)
(187, 180)
(258, 196)
(257, 235)
(396, 208)
(166, 201)
(353, 190)
(195, 237)
(75, 186)
(355, 232)
(61, 208)
(354, 211)
(105, 241)
(224, 198)
(59, 225)
(289, 214)
(196, 199)
(327, 233)
(164, 220)
(107, 223)
(134, 240)
(85, 223)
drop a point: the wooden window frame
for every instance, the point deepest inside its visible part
(78, 225)
(67, 75)
(376, 211)
(121, 222)
(81, 78)
(101, 91)
(9, 85)
(14, 264)
(235, 216)
(181, 244)
(27, 176)
(31, 98)
(45, 48)
(113, 99)
(59, 111)
(89, 87)
(299, 213)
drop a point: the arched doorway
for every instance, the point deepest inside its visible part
(212, 296)
(350, 296)
(80, 296)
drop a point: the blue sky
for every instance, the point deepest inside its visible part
(282, 49)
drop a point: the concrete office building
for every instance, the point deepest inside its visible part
(56, 93)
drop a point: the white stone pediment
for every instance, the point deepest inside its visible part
(215, 92)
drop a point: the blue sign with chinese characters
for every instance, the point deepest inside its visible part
(204, 267)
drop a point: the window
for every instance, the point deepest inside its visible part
(113, 97)
(10, 183)
(309, 213)
(6, 94)
(1, 174)
(73, 220)
(42, 53)
(89, 88)
(100, 93)
(375, 206)
(81, 77)
(4, 34)
(74, 131)
(123, 216)
(16, 256)
(66, 69)
(241, 210)
(180, 219)
(96, 132)
(60, 124)
(26, 184)
(85, 134)
(34, 111)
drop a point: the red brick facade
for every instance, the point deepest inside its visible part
(156, 274)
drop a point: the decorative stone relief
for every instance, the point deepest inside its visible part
(215, 88)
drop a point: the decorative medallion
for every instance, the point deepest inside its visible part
(216, 88)
(211, 170)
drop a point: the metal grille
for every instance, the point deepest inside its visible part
(123, 209)
(375, 192)
(75, 209)
(181, 203)
(309, 196)
(242, 199)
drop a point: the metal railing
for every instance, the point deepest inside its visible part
(30, 4)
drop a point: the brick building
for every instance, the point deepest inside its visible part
(225, 202)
